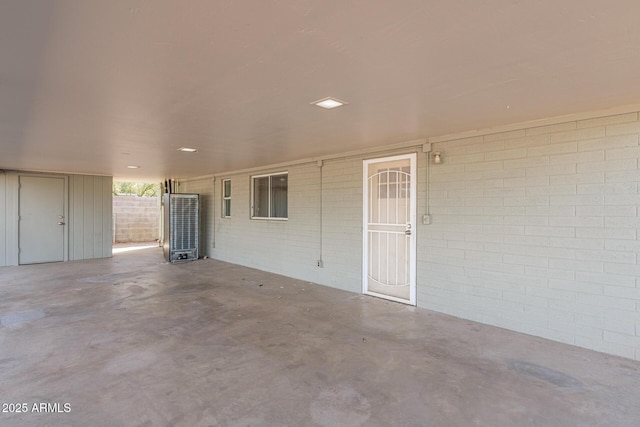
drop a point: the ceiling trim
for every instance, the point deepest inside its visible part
(631, 108)
(355, 153)
(56, 172)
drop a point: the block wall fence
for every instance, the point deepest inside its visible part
(135, 219)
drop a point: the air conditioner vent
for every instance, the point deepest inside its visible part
(181, 227)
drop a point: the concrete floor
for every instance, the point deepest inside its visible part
(133, 341)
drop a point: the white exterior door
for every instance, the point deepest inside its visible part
(42, 219)
(389, 264)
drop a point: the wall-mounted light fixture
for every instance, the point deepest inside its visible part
(437, 157)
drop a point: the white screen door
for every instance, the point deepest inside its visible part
(42, 219)
(389, 228)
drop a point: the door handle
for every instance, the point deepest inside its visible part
(408, 230)
(62, 223)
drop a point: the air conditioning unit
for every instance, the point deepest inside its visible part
(180, 227)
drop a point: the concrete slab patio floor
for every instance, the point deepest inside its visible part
(134, 341)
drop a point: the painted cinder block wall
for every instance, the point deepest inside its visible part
(325, 222)
(534, 229)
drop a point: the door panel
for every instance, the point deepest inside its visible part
(389, 228)
(42, 219)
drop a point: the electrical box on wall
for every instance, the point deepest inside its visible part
(181, 225)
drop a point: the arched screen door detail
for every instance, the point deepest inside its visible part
(389, 228)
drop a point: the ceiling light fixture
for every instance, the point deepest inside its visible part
(133, 167)
(328, 103)
(187, 149)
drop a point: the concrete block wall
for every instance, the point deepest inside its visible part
(135, 219)
(324, 224)
(342, 224)
(536, 230)
(290, 247)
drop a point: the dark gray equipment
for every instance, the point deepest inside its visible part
(181, 227)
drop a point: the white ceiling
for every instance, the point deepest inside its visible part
(95, 85)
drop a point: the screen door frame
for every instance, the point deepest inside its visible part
(410, 226)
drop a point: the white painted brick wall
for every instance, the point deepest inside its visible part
(534, 230)
(563, 233)
(289, 247)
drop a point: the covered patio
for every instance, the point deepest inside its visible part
(133, 340)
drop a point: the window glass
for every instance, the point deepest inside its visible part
(261, 197)
(270, 196)
(279, 185)
(226, 198)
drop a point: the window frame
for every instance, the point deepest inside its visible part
(226, 214)
(252, 207)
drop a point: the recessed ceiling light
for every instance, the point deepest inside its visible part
(187, 149)
(328, 103)
(133, 167)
